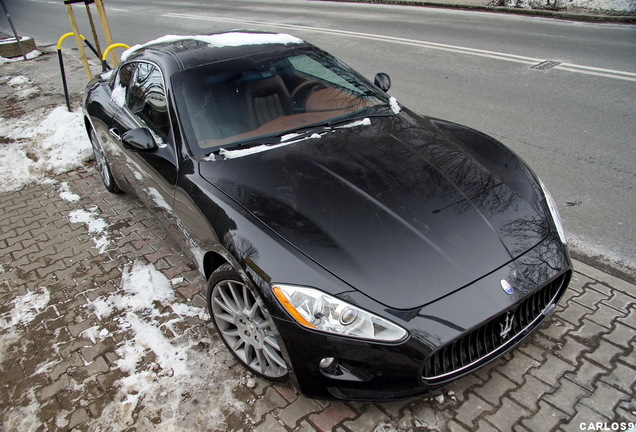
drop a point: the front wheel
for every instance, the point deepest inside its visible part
(102, 164)
(245, 325)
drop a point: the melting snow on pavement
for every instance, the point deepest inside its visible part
(95, 225)
(173, 371)
(30, 56)
(175, 374)
(174, 378)
(25, 309)
(29, 150)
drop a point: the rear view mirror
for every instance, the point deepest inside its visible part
(382, 81)
(139, 139)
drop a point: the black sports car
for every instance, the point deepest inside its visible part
(350, 245)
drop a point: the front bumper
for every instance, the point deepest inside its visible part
(448, 338)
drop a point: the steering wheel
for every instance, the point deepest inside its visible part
(310, 84)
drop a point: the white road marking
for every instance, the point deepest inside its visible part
(588, 70)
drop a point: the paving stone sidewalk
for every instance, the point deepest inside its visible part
(63, 355)
(579, 367)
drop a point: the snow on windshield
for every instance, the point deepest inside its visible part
(285, 140)
(232, 154)
(395, 106)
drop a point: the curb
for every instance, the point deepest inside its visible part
(9, 47)
(619, 19)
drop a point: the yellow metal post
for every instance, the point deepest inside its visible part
(112, 47)
(78, 40)
(109, 49)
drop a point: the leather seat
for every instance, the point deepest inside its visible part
(266, 97)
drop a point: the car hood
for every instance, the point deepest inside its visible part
(402, 208)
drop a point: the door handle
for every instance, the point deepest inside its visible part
(114, 132)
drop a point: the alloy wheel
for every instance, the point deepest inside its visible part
(100, 162)
(246, 328)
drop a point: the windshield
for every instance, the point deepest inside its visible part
(248, 100)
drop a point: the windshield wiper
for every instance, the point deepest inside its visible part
(301, 132)
(248, 143)
(329, 124)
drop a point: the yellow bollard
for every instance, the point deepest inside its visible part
(61, 60)
(109, 49)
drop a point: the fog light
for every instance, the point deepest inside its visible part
(327, 363)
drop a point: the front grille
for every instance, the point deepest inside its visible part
(484, 343)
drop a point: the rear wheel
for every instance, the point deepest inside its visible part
(101, 164)
(245, 325)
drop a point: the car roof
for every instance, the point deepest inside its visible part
(191, 51)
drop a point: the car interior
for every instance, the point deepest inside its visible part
(266, 100)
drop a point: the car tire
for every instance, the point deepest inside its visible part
(245, 325)
(101, 164)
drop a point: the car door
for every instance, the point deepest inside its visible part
(151, 172)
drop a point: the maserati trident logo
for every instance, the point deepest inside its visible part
(506, 326)
(507, 287)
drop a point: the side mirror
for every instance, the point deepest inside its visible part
(139, 139)
(382, 81)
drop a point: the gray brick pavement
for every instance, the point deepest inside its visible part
(579, 366)
(63, 363)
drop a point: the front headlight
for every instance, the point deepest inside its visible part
(556, 217)
(319, 311)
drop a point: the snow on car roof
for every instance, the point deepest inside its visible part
(230, 39)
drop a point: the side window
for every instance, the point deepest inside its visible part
(121, 83)
(147, 99)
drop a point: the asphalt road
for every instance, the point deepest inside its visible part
(575, 124)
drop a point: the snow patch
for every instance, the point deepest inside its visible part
(290, 136)
(176, 281)
(30, 56)
(91, 333)
(26, 308)
(232, 39)
(143, 286)
(24, 88)
(12, 40)
(118, 95)
(157, 198)
(23, 418)
(395, 106)
(95, 226)
(18, 81)
(363, 122)
(169, 376)
(66, 194)
(232, 154)
(57, 145)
